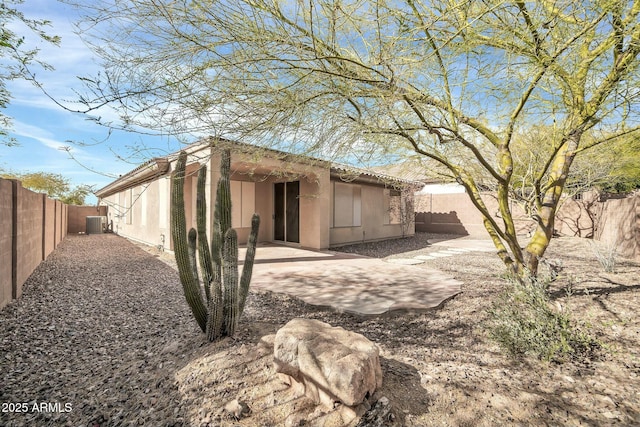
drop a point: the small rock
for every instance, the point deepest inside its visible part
(611, 415)
(378, 416)
(237, 409)
(294, 420)
(607, 400)
(424, 379)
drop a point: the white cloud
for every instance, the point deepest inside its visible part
(69, 60)
(34, 132)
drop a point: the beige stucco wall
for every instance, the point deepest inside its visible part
(373, 214)
(150, 210)
(149, 219)
(314, 203)
(615, 221)
(315, 208)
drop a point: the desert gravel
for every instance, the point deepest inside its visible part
(103, 337)
(95, 337)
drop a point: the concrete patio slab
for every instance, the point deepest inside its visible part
(350, 283)
(467, 242)
(440, 254)
(425, 257)
(405, 261)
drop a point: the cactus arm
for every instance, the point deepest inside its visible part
(216, 247)
(190, 284)
(216, 250)
(192, 237)
(214, 322)
(201, 223)
(223, 196)
(230, 280)
(215, 312)
(247, 268)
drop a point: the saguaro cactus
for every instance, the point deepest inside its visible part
(225, 292)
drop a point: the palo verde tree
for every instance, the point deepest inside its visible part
(16, 58)
(604, 168)
(451, 80)
(53, 185)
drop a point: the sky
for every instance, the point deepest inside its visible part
(43, 128)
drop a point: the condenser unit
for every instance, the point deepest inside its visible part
(95, 224)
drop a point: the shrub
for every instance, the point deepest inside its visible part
(524, 322)
(605, 253)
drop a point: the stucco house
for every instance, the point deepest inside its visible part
(302, 201)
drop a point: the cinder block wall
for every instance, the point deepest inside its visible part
(455, 213)
(50, 224)
(619, 225)
(614, 221)
(30, 213)
(31, 226)
(6, 230)
(77, 218)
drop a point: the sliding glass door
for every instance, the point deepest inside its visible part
(286, 214)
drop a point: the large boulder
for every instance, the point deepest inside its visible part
(330, 364)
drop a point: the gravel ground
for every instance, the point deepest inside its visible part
(102, 337)
(92, 337)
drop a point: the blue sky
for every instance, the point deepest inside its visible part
(42, 128)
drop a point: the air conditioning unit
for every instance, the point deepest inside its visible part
(96, 224)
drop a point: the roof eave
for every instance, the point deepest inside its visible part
(144, 173)
(360, 175)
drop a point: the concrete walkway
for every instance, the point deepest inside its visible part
(447, 248)
(350, 283)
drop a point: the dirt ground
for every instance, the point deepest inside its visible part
(122, 348)
(440, 368)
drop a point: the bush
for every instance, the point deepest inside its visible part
(524, 322)
(606, 254)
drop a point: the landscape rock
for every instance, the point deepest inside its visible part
(379, 415)
(237, 409)
(329, 364)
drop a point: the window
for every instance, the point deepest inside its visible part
(122, 204)
(163, 192)
(143, 205)
(243, 203)
(392, 206)
(128, 206)
(347, 205)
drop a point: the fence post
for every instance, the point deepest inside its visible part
(55, 224)
(14, 238)
(44, 226)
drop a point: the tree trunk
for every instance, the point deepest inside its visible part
(546, 210)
